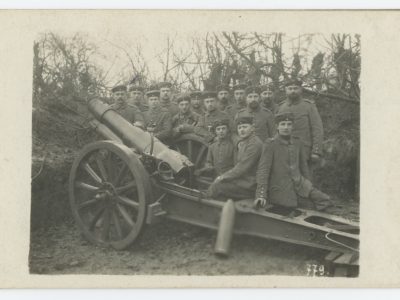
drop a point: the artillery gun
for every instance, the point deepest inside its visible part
(129, 180)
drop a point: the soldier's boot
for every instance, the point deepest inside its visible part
(320, 199)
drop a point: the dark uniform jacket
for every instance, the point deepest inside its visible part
(130, 112)
(263, 121)
(233, 109)
(170, 106)
(283, 172)
(199, 111)
(161, 120)
(142, 106)
(220, 155)
(246, 161)
(307, 123)
(204, 127)
(189, 121)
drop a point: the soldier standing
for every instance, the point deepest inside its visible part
(283, 176)
(220, 155)
(239, 95)
(196, 102)
(268, 97)
(263, 118)
(206, 122)
(185, 120)
(165, 98)
(223, 97)
(307, 122)
(130, 112)
(157, 119)
(240, 181)
(136, 97)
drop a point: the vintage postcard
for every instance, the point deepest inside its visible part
(178, 148)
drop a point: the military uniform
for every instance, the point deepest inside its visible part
(160, 119)
(233, 109)
(170, 106)
(199, 111)
(240, 181)
(307, 123)
(130, 112)
(263, 120)
(206, 123)
(188, 122)
(220, 156)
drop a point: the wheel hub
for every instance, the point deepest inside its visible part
(107, 191)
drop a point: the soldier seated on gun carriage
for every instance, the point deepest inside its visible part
(220, 156)
(283, 177)
(185, 120)
(240, 181)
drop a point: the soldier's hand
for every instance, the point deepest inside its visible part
(315, 158)
(260, 202)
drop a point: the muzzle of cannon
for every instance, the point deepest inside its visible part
(113, 126)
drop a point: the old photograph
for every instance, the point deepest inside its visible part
(208, 152)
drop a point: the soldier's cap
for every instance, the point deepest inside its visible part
(208, 94)
(164, 84)
(294, 81)
(119, 88)
(240, 86)
(132, 88)
(268, 87)
(195, 94)
(253, 89)
(288, 116)
(244, 120)
(183, 98)
(223, 87)
(220, 122)
(153, 92)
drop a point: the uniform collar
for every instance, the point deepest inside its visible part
(253, 110)
(294, 102)
(211, 113)
(283, 141)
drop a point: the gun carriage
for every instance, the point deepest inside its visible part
(130, 180)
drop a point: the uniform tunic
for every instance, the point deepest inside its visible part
(307, 123)
(205, 124)
(220, 156)
(188, 122)
(233, 109)
(170, 106)
(161, 120)
(263, 121)
(130, 112)
(282, 173)
(199, 111)
(240, 181)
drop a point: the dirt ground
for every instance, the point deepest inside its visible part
(167, 248)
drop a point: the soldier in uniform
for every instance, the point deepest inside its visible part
(263, 118)
(283, 176)
(268, 97)
(307, 122)
(136, 97)
(165, 98)
(206, 122)
(157, 119)
(240, 181)
(223, 97)
(185, 120)
(196, 102)
(239, 95)
(130, 112)
(220, 156)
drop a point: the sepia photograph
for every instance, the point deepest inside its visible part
(205, 152)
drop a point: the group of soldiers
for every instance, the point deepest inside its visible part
(258, 149)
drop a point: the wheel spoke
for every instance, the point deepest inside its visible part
(117, 224)
(190, 149)
(92, 173)
(85, 186)
(127, 201)
(120, 174)
(125, 215)
(87, 203)
(102, 169)
(106, 225)
(126, 187)
(96, 217)
(200, 155)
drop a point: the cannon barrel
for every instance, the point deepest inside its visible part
(133, 136)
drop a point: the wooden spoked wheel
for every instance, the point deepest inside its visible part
(194, 148)
(109, 190)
